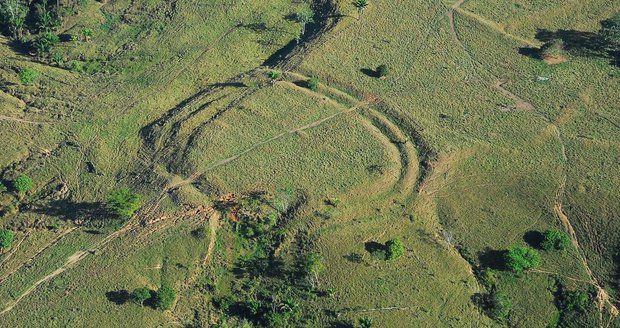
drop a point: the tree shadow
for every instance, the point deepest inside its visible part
(354, 258)
(68, 210)
(577, 43)
(369, 72)
(118, 297)
(376, 250)
(533, 238)
(492, 258)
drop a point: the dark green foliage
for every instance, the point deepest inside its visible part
(123, 202)
(555, 239)
(488, 278)
(361, 6)
(45, 42)
(141, 295)
(199, 233)
(6, 238)
(573, 300)
(46, 16)
(365, 322)
(313, 83)
(383, 71)
(3, 188)
(23, 184)
(610, 30)
(27, 76)
(519, 258)
(394, 249)
(165, 297)
(13, 15)
(76, 66)
(499, 306)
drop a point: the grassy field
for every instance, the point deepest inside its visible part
(248, 173)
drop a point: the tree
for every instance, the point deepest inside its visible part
(13, 13)
(304, 17)
(610, 30)
(519, 258)
(46, 18)
(22, 184)
(3, 188)
(313, 83)
(45, 42)
(395, 249)
(383, 71)
(140, 295)
(165, 297)
(312, 265)
(6, 238)
(361, 6)
(555, 239)
(124, 203)
(27, 76)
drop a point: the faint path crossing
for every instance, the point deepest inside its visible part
(20, 120)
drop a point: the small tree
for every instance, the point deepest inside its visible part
(3, 188)
(86, 33)
(361, 6)
(395, 249)
(27, 76)
(274, 74)
(519, 258)
(383, 71)
(312, 265)
(141, 295)
(555, 239)
(124, 203)
(23, 184)
(304, 17)
(45, 43)
(553, 50)
(313, 83)
(165, 297)
(6, 238)
(610, 30)
(499, 306)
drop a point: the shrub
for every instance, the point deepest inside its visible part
(499, 306)
(3, 188)
(573, 300)
(27, 76)
(6, 238)
(76, 66)
(86, 33)
(46, 42)
(519, 258)
(313, 83)
(123, 202)
(554, 239)
(22, 184)
(274, 75)
(141, 295)
(394, 249)
(165, 297)
(383, 71)
(365, 322)
(553, 49)
(199, 233)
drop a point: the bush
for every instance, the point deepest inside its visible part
(6, 238)
(573, 300)
(553, 49)
(313, 83)
(27, 76)
(274, 75)
(124, 203)
(519, 258)
(555, 239)
(499, 306)
(383, 70)
(394, 249)
(22, 184)
(3, 188)
(165, 297)
(199, 233)
(76, 66)
(46, 42)
(141, 295)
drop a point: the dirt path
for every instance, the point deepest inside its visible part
(520, 104)
(214, 220)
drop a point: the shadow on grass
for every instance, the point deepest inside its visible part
(118, 297)
(533, 238)
(492, 258)
(71, 211)
(369, 72)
